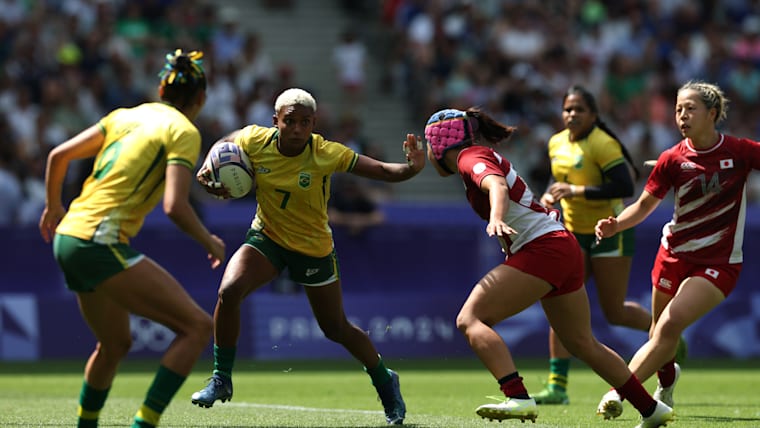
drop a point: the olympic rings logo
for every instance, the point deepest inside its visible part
(148, 335)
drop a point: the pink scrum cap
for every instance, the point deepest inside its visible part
(447, 129)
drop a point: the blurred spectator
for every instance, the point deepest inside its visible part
(747, 44)
(351, 206)
(11, 195)
(228, 39)
(349, 58)
(253, 65)
(348, 131)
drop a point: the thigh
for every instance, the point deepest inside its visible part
(611, 276)
(247, 270)
(327, 303)
(107, 319)
(148, 290)
(502, 293)
(695, 297)
(569, 314)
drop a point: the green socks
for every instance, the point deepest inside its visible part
(224, 359)
(91, 401)
(161, 391)
(379, 374)
(559, 368)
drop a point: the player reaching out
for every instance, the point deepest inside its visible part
(290, 229)
(700, 254)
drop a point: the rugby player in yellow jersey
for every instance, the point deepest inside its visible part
(590, 176)
(293, 167)
(141, 154)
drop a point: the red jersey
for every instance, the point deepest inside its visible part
(710, 198)
(525, 215)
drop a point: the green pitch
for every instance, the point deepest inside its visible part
(440, 393)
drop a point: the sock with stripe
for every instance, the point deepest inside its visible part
(558, 374)
(512, 386)
(91, 401)
(161, 391)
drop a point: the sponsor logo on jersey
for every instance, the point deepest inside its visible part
(712, 272)
(263, 170)
(688, 165)
(726, 163)
(304, 180)
(665, 283)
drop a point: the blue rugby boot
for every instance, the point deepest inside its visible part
(393, 403)
(219, 388)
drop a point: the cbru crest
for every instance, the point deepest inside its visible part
(304, 180)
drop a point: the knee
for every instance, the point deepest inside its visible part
(231, 293)
(336, 331)
(579, 344)
(115, 348)
(667, 330)
(464, 321)
(203, 327)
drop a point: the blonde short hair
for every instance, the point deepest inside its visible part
(295, 96)
(711, 95)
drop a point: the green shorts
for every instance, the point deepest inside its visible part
(619, 245)
(305, 270)
(86, 264)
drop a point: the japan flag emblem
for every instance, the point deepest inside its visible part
(726, 163)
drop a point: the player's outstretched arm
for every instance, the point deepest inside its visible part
(394, 172)
(631, 216)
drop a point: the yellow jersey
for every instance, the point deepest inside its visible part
(583, 163)
(292, 192)
(127, 180)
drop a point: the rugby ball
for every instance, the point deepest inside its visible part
(231, 167)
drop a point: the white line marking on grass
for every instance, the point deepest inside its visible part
(303, 409)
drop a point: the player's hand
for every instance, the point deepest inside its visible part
(547, 200)
(49, 220)
(499, 228)
(206, 179)
(415, 153)
(216, 251)
(605, 228)
(560, 190)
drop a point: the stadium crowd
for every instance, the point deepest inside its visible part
(64, 63)
(517, 58)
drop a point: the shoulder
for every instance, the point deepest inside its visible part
(478, 154)
(254, 137)
(733, 140)
(559, 138)
(321, 145)
(256, 132)
(599, 137)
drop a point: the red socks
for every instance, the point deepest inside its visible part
(634, 392)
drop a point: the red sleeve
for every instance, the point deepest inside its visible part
(475, 165)
(660, 180)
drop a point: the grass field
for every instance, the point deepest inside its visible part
(440, 393)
